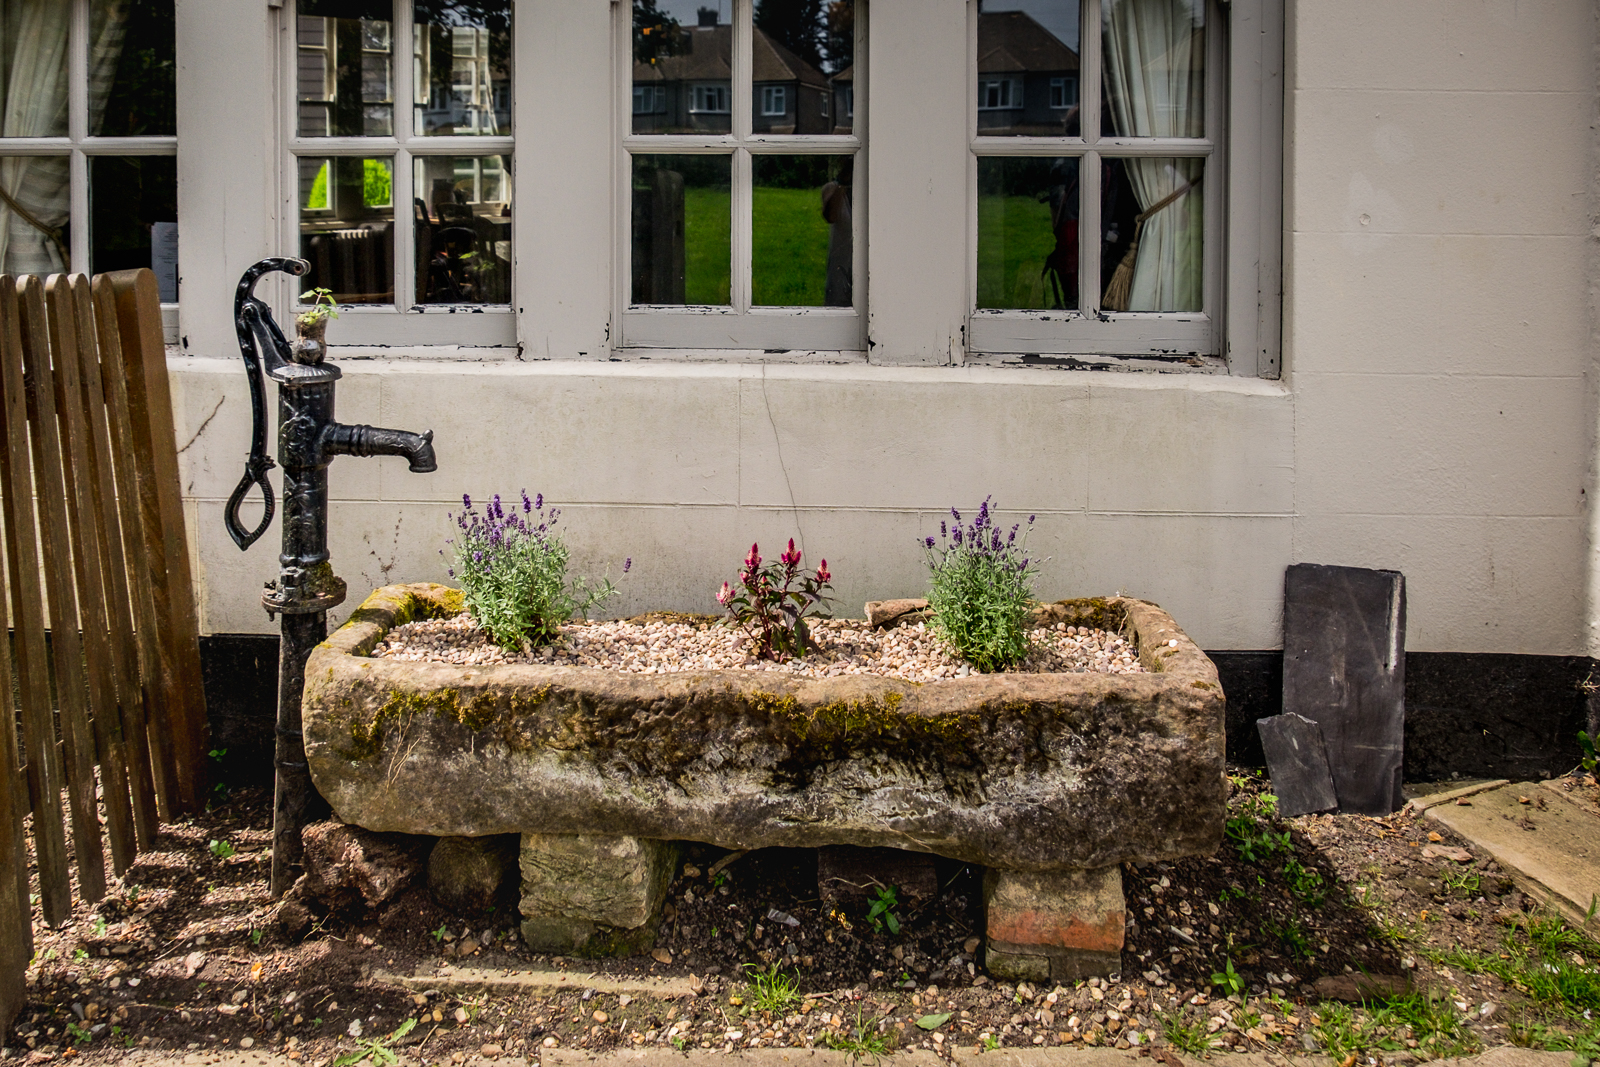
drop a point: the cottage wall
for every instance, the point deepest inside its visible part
(1434, 413)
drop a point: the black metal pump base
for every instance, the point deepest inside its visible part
(306, 587)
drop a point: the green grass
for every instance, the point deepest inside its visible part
(707, 239)
(1014, 239)
(789, 254)
(772, 990)
(1539, 961)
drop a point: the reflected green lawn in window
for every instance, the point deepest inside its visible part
(1014, 239)
(376, 186)
(790, 248)
(707, 215)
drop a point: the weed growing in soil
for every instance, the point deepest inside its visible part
(1229, 979)
(882, 914)
(1249, 828)
(862, 1040)
(377, 1049)
(981, 588)
(513, 573)
(1185, 1033)
(771, 990)
(1539, 960)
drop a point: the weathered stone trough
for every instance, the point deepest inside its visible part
(1048, 780)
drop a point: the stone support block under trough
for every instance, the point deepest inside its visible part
(593, 894)
(1054, 927)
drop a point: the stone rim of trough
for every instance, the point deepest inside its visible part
(1179, 702)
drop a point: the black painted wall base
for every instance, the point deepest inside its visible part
(1472, 714)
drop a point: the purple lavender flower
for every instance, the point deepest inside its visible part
(626, 564)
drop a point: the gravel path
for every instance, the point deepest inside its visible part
(847, 646)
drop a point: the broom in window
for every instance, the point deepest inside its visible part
(1120, 289)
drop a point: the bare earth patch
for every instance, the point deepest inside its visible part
(845, 646)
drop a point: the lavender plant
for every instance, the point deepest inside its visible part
(769, 607)
(513, 573)
(980, 588)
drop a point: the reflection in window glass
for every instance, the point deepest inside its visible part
(343, 77)
(682, 210)
(461, 63)
(133, 217)
(1028, 68)
(798, 49)
(463, 229)
(132, 88)
(801, 253)
(347, 227)
(1157, 261)
(34, 237)
(1028, 232)
(1154, 61)
(682, 66)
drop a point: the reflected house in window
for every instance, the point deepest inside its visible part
(689, 89)
(843, 109)
(1027, 77)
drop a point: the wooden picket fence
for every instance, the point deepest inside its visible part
(105, 639)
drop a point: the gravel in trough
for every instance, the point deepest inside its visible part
(845, 646)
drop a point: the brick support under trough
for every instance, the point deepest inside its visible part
(1054, 927)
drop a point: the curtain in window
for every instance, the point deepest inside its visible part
(35, 191)
(1155, 79)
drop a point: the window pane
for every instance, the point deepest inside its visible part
(347, 228)
(797, 48)
(34, 237)
(682, 66)
(1028, 232)
(461, 59)
(33, 69)
(344, 65)
(463, 229)
(1154, 213)
(682, 210)
(133, 217)
(801, 252)
(1155, 53)
(1028, 68)
(132, 90)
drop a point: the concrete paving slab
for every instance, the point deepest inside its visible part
(1553, 853)
(1425, 795)
(458, 980)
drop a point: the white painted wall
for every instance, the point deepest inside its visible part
(1434, 414)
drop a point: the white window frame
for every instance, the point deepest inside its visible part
(774, 101)
(78, 146)
(1005, 89)
(1058, 91)
(404, 323)
(756, 332)
(1238, 327)
(709, 98)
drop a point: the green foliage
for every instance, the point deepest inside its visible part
(1014, 240)
(771, 608)
(80, 1035)
(989, 1043)
(981, 588)
(1292, 932)
(222, 849)
(1386, 1024)
(933, 1022)
(1306, 884)
(99, 927)
(1249, 828)
(882, 914)
(513, 573)
(1230, 980)
(1539, 961)
(863, 1040)
(656, 34)
(1185, 1033)
(772, 990)
(323, 307)
(441, 933)
(1466, 883)
(378, 1049)
(377, 186)
(1587, 743)
(789, 244)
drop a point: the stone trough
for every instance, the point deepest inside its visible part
(1050, 781)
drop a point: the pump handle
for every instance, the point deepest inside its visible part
(264, 348)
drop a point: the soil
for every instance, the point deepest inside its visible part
(184, 954)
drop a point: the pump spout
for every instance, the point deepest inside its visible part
(341, 440)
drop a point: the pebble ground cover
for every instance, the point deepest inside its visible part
(1224, 953)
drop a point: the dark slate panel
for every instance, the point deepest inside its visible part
(1298, 764)
(1253, 685)
(1344, 668)
(240, 675)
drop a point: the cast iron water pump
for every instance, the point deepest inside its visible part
(306, 588)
